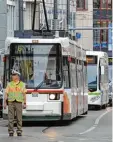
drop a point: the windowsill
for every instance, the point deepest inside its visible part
(79, 9)
(103, 8)
(11, 3)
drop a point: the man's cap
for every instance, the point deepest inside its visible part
(13, 72)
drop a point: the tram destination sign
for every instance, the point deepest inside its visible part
(91, 59)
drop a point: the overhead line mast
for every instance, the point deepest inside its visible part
(34, 15)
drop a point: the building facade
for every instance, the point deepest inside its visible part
(84, 18)
(102, 39)
(102, 17)
(3, 22)
(9, 21)
(61, 14)
(9, 15)
(28, 8)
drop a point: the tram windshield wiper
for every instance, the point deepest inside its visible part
(39, 85)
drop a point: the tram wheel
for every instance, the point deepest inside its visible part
(104, 106)
(110, 104)
(86, 113)
(1, 114)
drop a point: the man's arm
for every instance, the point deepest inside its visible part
(24, 98)
(24, 94)
(5, 98)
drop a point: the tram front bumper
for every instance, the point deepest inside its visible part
(51, 111)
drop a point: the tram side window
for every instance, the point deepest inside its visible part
(82, 76)
(101, 75)
(73, 73)
(102, 78)
(85, 76)
(66, 73)
(79, 74)
(86, 80)
(106, 74)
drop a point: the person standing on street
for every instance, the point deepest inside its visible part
(15, 94)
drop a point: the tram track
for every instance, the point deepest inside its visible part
(48, 130)
(44, 130)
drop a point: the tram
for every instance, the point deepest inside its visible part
(98, 83)
(55, 74)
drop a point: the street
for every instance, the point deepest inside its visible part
(95, 127)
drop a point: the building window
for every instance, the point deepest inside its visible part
(110, 4)
(10, 20)
(103, 3)
(100, 37)
(96, 3)
(82, 4)
(104, 32)
(96, 33)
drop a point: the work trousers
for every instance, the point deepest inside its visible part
(14, 107)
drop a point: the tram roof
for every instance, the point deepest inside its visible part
(96, 53)
(64, 41)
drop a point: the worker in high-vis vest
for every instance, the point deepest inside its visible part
(15, 94)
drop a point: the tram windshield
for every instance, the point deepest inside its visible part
(39, 65)
(92, 77)
(92, 73)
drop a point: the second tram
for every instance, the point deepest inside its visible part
(98, 84)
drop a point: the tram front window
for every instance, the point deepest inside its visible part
(92, 77)
(40, 65)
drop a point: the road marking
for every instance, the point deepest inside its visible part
(96, 122)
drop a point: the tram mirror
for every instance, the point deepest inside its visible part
(102, 69)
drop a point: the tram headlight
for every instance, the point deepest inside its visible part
(54, 96)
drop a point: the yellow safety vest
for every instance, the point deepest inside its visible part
(15, 91)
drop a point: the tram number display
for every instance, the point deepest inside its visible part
(91, 59)
(34, 95)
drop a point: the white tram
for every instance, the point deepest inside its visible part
(98, 83)
(55, 74)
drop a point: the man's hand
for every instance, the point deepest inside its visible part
(5, 105)
(24, 106)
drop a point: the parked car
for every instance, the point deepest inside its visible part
(110, 94)
(1, 103)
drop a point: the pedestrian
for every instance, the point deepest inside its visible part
(15, 95)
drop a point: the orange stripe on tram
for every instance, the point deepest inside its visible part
(66, 108)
